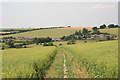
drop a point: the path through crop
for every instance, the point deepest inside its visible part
(65, 66)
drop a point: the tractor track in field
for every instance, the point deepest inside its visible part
(64, 65)
(72, 69)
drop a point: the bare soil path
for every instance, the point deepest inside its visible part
(65, 66)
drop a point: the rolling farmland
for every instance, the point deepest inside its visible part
(99, 59)
(92, 59)
(27, 63)
(57, 33)
(111, 30)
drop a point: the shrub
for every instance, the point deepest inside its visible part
(45, 44)
(85, 41)
(71, 42)
(37, 43)
(50, 44)
(25, 47)
(3, 48)
(68, 43)
(60, 44)
(18, 46)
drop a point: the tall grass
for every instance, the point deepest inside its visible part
(100, 59)
(27, 63)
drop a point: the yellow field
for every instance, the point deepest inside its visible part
(100, 59)
(26, 62)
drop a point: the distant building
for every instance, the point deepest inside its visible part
(30, 38)
(101, 36)
(96, 36)
(22, 38)
(55, 39)
(76, 36)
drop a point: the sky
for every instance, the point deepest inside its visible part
(46, 14)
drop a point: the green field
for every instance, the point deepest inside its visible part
(110, 30)
(93, 59)
(99, 59)
(84, 60)
(57, 33)
(54, 33)
(27, 62)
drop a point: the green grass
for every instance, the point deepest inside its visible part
(27, 62)
(74, 70)
(56, 69)
(54, 33)
(110, 30)
(100, 59)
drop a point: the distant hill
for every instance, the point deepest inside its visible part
(58, 32)
(110, 30)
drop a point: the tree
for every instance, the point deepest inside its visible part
(10, 43)
(76, 33)
(3, 47)
(60, 44)
(116, 26)
(94, 28)
(79, 38)
(85, 31)
(85, 41)
(45, 44)
(103, 26)
(50, 44)
(69, 26)
(80, 33)
(111, 26)
(108, 37)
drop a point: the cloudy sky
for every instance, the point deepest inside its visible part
(44, 14)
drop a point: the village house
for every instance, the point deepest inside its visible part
(30, 38)
(55, 39)
(76, 36)
(96, 36)
(101, 36)
(22, 38)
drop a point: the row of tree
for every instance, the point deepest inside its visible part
(41, 40)
(11, 42)
(109, 26)
(84, 33)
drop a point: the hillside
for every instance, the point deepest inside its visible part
(58, 32)
(110, 30)
(54, 33)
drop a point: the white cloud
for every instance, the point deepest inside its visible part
(103, 6)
